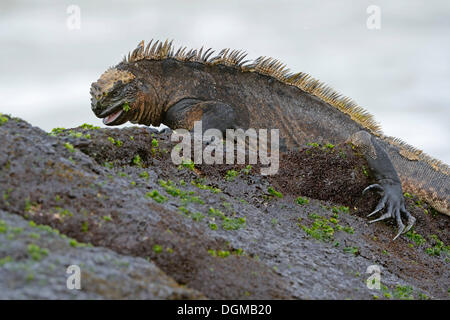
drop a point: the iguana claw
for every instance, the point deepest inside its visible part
(379, 207)
(393, 197)
(375, 186)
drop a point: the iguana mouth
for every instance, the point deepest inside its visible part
(111, 118)
(114, 115)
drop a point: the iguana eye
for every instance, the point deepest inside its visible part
(114, 94)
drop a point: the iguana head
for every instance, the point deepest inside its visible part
(113, 96)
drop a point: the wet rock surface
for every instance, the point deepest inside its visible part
(164, 231)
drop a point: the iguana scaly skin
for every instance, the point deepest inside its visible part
(155, 85)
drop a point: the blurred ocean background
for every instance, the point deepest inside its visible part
(399, 73)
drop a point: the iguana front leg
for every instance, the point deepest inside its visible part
(388, 182)
(213, 114)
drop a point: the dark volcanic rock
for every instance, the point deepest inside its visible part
(224, 231)
(35, 259)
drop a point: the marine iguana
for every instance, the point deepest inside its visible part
(155, 84)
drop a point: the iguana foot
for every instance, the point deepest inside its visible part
(394, 202)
